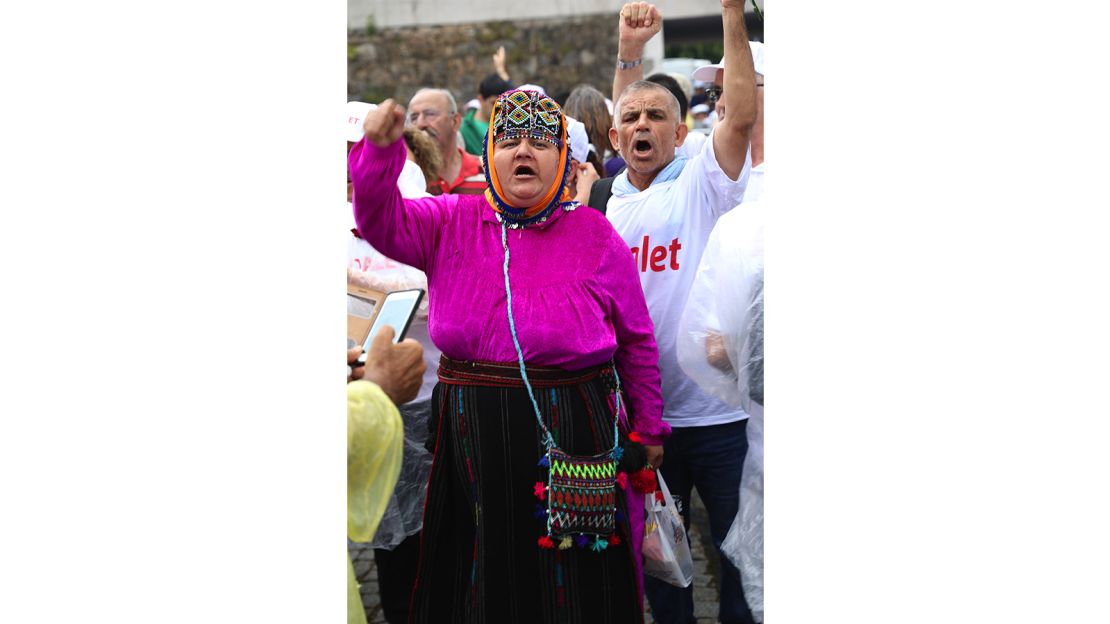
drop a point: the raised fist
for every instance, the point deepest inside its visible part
(384, 125)
(639, 22)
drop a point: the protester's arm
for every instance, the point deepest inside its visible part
(404, 230)
(733, 133)
(499, 63)
(639, 22)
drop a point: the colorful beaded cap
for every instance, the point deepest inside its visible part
(527, 114)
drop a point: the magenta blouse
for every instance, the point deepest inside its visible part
(577, 300)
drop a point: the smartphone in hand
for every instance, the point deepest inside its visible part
(398, 309)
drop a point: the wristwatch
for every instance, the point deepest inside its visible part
(628, 64)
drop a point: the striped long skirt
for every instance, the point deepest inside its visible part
(479, 555)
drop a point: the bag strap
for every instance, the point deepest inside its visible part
(600, 192)
(548, 441)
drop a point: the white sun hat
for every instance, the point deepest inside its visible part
(708, 73)
(532, 87)
(579, 142)
(356, 114)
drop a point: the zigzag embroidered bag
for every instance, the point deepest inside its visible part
(581, 491)
(581, 494)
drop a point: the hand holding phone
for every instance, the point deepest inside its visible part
(397, 311)
(397, 368)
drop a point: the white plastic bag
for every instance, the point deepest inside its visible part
(666, 551)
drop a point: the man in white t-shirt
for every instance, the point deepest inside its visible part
(665, 206)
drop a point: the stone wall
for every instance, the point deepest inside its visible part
(554, 53)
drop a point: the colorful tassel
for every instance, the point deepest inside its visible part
(599, 545)
(540, 490)
(622, 479)
(581, 541)
(545, 542)
(618, 453)
(634, 436)
(614, 539)
(619, 516)
(659, 495)
(643, 481)
(566, 543)
(544, 463)
(541, 512)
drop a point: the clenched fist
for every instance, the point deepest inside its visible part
(384, 125)
(639, 22)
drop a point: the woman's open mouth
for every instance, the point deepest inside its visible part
(524, 171)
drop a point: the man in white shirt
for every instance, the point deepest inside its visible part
(665, 206)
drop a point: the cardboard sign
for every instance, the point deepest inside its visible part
(363, 305)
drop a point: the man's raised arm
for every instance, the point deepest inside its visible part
(639, 22)
(732, 134)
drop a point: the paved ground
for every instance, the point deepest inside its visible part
(706, 591)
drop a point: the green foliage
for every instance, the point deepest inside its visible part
(495, 32)
(371, 26)
(374, 94)
(712, 50)
(352, 52)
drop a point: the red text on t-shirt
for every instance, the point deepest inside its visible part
(656, 258)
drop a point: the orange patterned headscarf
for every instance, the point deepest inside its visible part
(526, 115)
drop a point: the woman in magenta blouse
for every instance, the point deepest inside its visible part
(537, 307)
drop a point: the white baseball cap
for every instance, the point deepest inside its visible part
(356, 114)
(700, 108)
(579, 142)
(472, 104)
(708, 73)
(757, 56)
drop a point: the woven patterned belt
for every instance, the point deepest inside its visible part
(507, 374)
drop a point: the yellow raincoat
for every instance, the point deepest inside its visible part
(374, 443)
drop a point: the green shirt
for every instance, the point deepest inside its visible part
(473, 132)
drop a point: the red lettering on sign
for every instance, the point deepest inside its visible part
(657, 254)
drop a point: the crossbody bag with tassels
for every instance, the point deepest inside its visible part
(581, 490)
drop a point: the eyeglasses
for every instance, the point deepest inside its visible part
(429, 114)
(714, 93)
